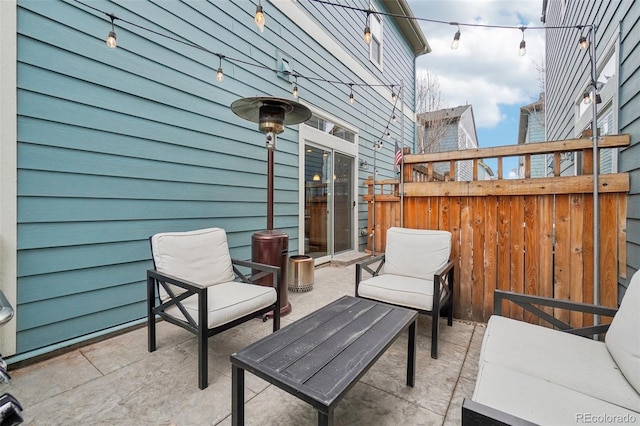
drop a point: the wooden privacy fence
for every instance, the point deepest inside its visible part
(529, 235)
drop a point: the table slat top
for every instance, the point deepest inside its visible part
(320, 356)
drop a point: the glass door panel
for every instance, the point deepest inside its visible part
(343, 203)
(317, 201)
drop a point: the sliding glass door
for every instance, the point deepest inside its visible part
(329, 202)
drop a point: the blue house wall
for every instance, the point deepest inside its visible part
(567, 76)
(116, 145)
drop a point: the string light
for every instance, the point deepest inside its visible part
(523, 44)
(259, 19)
(393, 94)
(584, 43)
(388, 134)
(111, 38)
(456, 39)
(295, 87)
(367, 30)
(393, 118)
(351, 98)
(219, 73)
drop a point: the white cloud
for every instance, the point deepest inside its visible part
(485, 71)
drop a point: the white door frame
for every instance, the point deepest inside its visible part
(321, 139)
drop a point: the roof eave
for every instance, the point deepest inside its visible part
(409, 27)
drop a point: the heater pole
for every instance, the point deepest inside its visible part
(270, 164)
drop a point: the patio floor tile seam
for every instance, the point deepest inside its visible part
(466, 355)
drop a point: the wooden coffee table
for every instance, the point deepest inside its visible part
(321, 356)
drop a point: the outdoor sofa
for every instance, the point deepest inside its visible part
(529, 374)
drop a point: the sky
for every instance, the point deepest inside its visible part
(485, 71)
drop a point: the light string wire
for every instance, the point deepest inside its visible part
(438, 21)
(221, 56)
(297, 75)
(189, 43)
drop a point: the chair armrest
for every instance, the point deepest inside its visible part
(365, 265)
(526, 301)
(170, 279)
(445, 269)
(475, 413)
(258, 271)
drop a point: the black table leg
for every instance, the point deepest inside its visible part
(411, 355)
(325, 419)
(237, 396)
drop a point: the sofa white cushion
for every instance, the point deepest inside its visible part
(399, 290)
(577, 363)
(228, 301)
(623, 337)
(201, 256)
(540, 401)
(417, 253)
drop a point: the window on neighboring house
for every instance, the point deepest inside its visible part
(376, 45)
(607, 82)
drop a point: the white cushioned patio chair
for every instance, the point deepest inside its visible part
(198, 286)
(414, 272)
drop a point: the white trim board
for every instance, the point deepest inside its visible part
(8, 167)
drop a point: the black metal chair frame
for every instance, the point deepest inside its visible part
(443, 278)
(200, 328)
(475, 413)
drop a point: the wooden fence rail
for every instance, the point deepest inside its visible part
(533, 236)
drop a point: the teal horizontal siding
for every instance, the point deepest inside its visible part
(56, 332)
(116, 145)
(37, 288)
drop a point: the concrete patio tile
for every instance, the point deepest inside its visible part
(435, 378)
(38, 382)
(470, 367)
(161, 389)
(124, 349)
(464, 389)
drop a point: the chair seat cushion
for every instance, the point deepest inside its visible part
(574, 362)
(227, 302)
(623, 337)
(540, 401)
(401, 290)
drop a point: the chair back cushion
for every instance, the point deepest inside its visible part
(201, 256)
(623, 337)
(417, 253)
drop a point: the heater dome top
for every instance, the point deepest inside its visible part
(250, 108)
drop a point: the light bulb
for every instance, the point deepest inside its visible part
(111, 40)
(523, 48)
(393, 96)
(394, 118)
(351, 99)
(367, 34)
(220, 74)
(295, 91)
(389, 134)
(456, 40)
(260, 18)
(586, 98)
(584, 43)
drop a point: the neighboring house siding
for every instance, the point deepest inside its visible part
(450, 129)
(116, 145)
(629, 122)
(568, 68)
(535, 133)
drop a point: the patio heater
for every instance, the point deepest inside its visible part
(271, 246)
